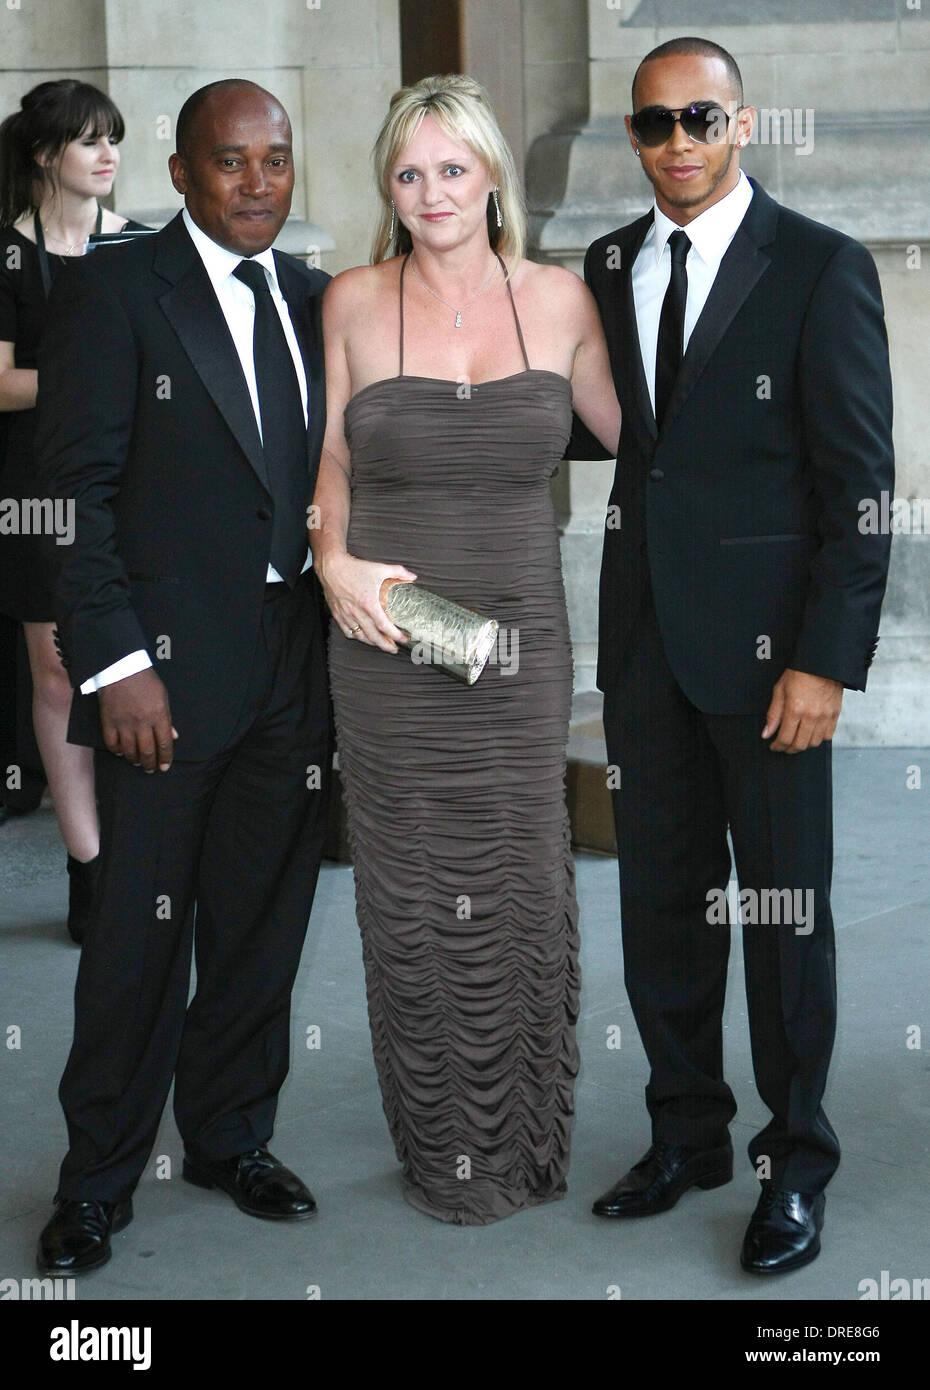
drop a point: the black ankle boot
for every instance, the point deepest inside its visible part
(81, 895)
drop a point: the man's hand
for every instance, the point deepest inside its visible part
(803, 711)
(136, 720)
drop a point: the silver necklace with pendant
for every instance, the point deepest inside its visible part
(457, 312)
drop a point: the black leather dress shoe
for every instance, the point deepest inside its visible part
(656, 1182)
(258, 1184)
(784, 1232)
(78, 1236)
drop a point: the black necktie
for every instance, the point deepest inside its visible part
(284, 429)
(672, 325)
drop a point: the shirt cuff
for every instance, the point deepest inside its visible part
(126, 666)
(272, 577)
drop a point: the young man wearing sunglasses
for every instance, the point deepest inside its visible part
(738, 599)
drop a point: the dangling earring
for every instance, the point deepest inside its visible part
(636, 151)
(497, 208)
(393, 221)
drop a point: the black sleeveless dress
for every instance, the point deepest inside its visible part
(27, 579)
(456, 797)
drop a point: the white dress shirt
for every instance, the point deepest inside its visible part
(238, 305)
(710, 235)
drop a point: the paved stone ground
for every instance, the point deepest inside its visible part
(367, 1243)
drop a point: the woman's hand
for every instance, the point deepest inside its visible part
(352, 589)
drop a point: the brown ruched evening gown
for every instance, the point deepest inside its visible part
(456, 795)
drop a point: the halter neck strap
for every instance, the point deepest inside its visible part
(513, 305)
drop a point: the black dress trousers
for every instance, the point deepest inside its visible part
(685, 776)
(241, 835)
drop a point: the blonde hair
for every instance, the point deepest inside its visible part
(461, 106)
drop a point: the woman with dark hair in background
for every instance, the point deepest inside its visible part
(58, 156)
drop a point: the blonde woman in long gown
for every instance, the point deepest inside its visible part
(453, 365)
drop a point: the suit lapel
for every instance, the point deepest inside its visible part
(192, 309)
(631, 348)
(743, 264)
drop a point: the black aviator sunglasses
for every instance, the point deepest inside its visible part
(704, 121)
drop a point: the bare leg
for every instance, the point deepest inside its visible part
(69, 769)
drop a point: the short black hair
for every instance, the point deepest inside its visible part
(698, 48)
(188, 113)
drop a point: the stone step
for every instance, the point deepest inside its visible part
(589, 804)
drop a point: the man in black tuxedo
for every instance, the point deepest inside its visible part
(738, 598)
(181, 406)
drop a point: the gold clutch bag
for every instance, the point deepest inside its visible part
(442, 633)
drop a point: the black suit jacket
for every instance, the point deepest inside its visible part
(745, 508)
(145, 421)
